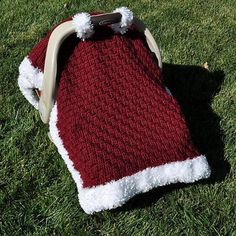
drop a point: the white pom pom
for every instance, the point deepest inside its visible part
(126, 20)
(83, 25)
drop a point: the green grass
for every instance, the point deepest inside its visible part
(37, 194)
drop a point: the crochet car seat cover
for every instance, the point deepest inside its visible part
(117, 128)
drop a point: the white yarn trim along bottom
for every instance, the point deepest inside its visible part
(29, 79)
(115, 193)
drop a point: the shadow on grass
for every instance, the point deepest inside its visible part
(194, 88)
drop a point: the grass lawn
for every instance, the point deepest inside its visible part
(37, 193)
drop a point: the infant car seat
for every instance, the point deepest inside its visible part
(113, 120)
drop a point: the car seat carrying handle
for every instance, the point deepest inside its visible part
(106, 19)
(59, 34)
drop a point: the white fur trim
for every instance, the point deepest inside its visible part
(29, 79)
(55, 136)
(83, 25)
(116, 193)
(126, 20)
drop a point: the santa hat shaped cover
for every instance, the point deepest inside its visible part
(117, 127)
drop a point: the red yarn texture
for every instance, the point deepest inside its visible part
(114, 116)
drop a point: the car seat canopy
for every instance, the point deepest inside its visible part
(118, 129)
